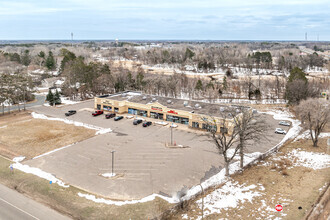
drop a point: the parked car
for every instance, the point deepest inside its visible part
(146, 123)
(71, 112)
(137, 121)
(110, 115)
(98, 112)
(280, 131)
(117, 118)
(284, 123)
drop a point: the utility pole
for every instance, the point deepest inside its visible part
(71, 39)
(113, 158)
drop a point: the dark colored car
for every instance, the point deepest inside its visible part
(117, 118)
(71, 112)
(110, 115)
(137, 121)
(98, 112)
(146, 124)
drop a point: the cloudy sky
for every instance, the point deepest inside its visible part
(165, 19)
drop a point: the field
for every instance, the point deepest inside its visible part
(277, 181)
(22, 135)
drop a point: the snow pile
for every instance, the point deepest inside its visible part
(108, 175)
(75, 123)
(67, 101)
(37, 172)
(161, 123)
(307, 135)
(18, 159)
(228, 196)
(120, 203)
(310, 159)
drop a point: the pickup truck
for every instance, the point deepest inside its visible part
(71, 112)
(98, 112)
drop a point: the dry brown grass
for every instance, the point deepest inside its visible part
(293, 187)
(32, 137)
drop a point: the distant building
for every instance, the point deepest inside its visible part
(174, 110)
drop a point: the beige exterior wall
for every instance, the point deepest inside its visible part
(158, 108)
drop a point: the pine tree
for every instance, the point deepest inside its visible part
(50, 98)
(50, 61)
(57, 98)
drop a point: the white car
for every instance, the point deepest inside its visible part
(280, 131)
(284, 123)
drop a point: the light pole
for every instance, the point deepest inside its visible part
(172, 134)
(113, 157)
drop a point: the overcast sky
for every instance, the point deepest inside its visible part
(165, 19)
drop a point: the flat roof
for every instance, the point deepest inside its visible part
(198, 107)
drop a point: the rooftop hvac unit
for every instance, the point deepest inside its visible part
(197, 105)
(144, 98)
(169, 101)
(185, 103)
(153, 99)
(222, 109)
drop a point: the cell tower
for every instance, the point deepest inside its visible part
(71, 39)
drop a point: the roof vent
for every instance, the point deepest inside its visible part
(153, 99)
(185, 103)
(169, 101)
(144, 97)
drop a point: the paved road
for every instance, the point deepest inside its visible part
(14, 205)
(40, 101)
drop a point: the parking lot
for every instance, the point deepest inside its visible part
(143, 161)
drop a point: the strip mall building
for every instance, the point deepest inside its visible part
(181, 111)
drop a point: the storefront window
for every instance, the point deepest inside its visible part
(98, 107)
(107, 108)
(195, 124)
(116, 109)
(137, 112)
(177, 119)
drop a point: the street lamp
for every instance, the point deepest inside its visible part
(113, 156)
(172, 134)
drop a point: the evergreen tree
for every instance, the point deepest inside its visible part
(224, 83)
(57, 98)
(50, 98)
(25, 58)
(50, 61)
(297, 74)
(199, 85)
(188, 54)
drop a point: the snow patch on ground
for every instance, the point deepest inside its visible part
(309, 159)
(75, 123)
(161, 123)
(39, 173)
(108, 175)
(120, 203)
(306, 135)
(4, 126)
(228, 196)
(18, 159)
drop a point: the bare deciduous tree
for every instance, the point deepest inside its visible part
(223, 140)
(250, 128)
(314, 115)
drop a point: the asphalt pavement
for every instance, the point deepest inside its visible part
(40, 100)
(15, 206)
